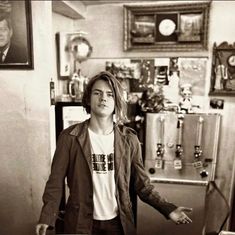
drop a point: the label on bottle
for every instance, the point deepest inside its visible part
(52, 92)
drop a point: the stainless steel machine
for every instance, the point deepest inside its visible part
(180, 159)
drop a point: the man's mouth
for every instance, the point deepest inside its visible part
(102, 105)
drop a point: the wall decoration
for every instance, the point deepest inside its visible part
(147, 75)
(16, 45)
(140, 74)
(64, 60)
(161, 27)
(193, 71)
(161, 75)
(143, 29)
(168, 72)
(223, 70)
(73, 48)
(190, 27)
(122, 69)
(216, 103)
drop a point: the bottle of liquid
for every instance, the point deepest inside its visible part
(76, 86)
(52, 92)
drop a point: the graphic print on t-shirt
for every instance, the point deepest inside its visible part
(103, 163)
(103, 177)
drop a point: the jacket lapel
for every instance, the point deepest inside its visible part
(119, 150)
(84, 141)
(81, 131)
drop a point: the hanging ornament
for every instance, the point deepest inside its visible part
(80, 48)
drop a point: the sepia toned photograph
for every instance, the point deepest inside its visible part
(217, 103)
(223, 70)
(143, 29)
(166, 27)
(116, 117)
(190, 28)
(16, 49)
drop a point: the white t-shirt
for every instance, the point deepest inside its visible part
(102, 149)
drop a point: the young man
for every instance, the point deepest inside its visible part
(99, 157)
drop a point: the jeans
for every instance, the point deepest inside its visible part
(107, 227)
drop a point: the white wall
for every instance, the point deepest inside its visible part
(24, 136)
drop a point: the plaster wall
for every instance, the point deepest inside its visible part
(24, 135)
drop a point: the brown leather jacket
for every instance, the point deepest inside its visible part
(72, 159)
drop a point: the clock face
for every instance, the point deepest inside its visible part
(167, 27)
(231, 60)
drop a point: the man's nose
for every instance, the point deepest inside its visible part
(103, 96)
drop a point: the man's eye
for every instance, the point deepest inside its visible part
(110, 94)
(96, 93)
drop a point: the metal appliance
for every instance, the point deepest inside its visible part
(67, 114)
(180, 159)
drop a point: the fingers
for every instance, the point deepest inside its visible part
(184, 220)
(186, 209)
(38, 229)
(41, 229)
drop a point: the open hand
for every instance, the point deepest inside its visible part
(178, 216)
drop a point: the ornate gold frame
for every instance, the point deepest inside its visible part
(150, 17)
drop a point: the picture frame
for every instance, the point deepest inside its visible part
(64, 59)
(223, 70)
(16, 21)
(166, 27)
(68, 53)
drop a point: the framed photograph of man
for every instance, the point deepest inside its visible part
(16, 49)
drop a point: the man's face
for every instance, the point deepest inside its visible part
(5, 33)
(102, 99)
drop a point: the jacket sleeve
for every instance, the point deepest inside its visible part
(144, 189)
(54, 187)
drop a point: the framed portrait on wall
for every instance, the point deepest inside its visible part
(190, 27)
(16, 45)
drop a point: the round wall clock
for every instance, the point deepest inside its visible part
(231, 60)
(167, 27)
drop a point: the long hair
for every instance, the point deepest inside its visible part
(117, 89)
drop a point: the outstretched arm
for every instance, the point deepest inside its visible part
(178, 216)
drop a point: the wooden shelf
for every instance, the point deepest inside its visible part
(69, 9)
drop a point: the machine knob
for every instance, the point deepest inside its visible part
(151, 170)
(204, 173)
